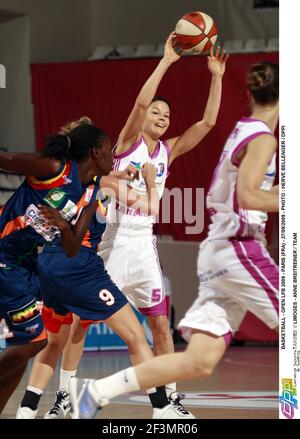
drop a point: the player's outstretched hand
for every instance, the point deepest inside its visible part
(171, 48)
(217, 62)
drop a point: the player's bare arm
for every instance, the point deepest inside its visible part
(132, 128)
(251, 174)
(193, 135)
(71, 237)
(28, 163)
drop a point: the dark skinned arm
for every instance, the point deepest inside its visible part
(28, 163)
(71, 237)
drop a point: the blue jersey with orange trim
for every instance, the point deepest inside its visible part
(22, 228)
(98, 223)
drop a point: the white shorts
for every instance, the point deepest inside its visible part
(235, 277)
(132, 263)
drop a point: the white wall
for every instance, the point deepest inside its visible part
(16, 111)
(60, 29)
(140, 21)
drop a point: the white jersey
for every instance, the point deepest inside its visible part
(126, 219)
(228, 219)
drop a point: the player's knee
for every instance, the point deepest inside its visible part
(135, 338)
(199, 366)
(159, 326)
(38, 346)
(55, 344)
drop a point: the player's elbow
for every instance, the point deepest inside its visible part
(141, 103)
(209, 124)
(72, 250)
(246, 199)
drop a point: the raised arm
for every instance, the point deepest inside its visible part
(193, 135)
(131, 130)
(28, 163)
(251, 174)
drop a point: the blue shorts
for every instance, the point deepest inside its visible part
(19, 289)
(78, 285)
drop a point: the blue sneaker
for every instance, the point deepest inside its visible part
(84, 399)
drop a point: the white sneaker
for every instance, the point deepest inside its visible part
(61, 406)
(26, 413)
(175, 399)
(85, 401)
(170, 412)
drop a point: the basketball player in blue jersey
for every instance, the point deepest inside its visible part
(235, 270)
(61, 177)
(80, 285)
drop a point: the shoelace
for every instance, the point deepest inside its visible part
(177, 403)
(60, 396)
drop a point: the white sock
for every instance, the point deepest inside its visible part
(64, 379)
(117, 384)
(35, 390)
(171, 388)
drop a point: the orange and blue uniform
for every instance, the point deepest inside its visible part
(22, 230)
(78, 284)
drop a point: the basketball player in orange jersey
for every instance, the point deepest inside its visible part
(128, 246)
(235, 270)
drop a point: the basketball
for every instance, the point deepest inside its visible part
(196, 32)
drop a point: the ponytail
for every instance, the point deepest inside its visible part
(74, 141)
(57, 147)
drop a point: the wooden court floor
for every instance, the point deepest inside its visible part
(244, 386)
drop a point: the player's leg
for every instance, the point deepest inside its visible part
(254, 280)
(124, 260)
(23, 320)
(13, 363)
(127, 326)
(9, 384)
(125, 323)
(149, 296)
(71, 356)
(42, 371)
(162, 337)
(198, 361)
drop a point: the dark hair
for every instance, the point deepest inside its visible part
(263, 82)
(160, 98)
(76, 144)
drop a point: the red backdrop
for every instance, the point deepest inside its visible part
(106, 91)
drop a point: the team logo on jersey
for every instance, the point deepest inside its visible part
(69, 210)
(32, 329)
(55, 197)
(138, 165)
(160, 170)
(66, 180)
(24, 314)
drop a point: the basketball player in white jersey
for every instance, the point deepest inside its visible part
(128, 245)
(235, 270)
